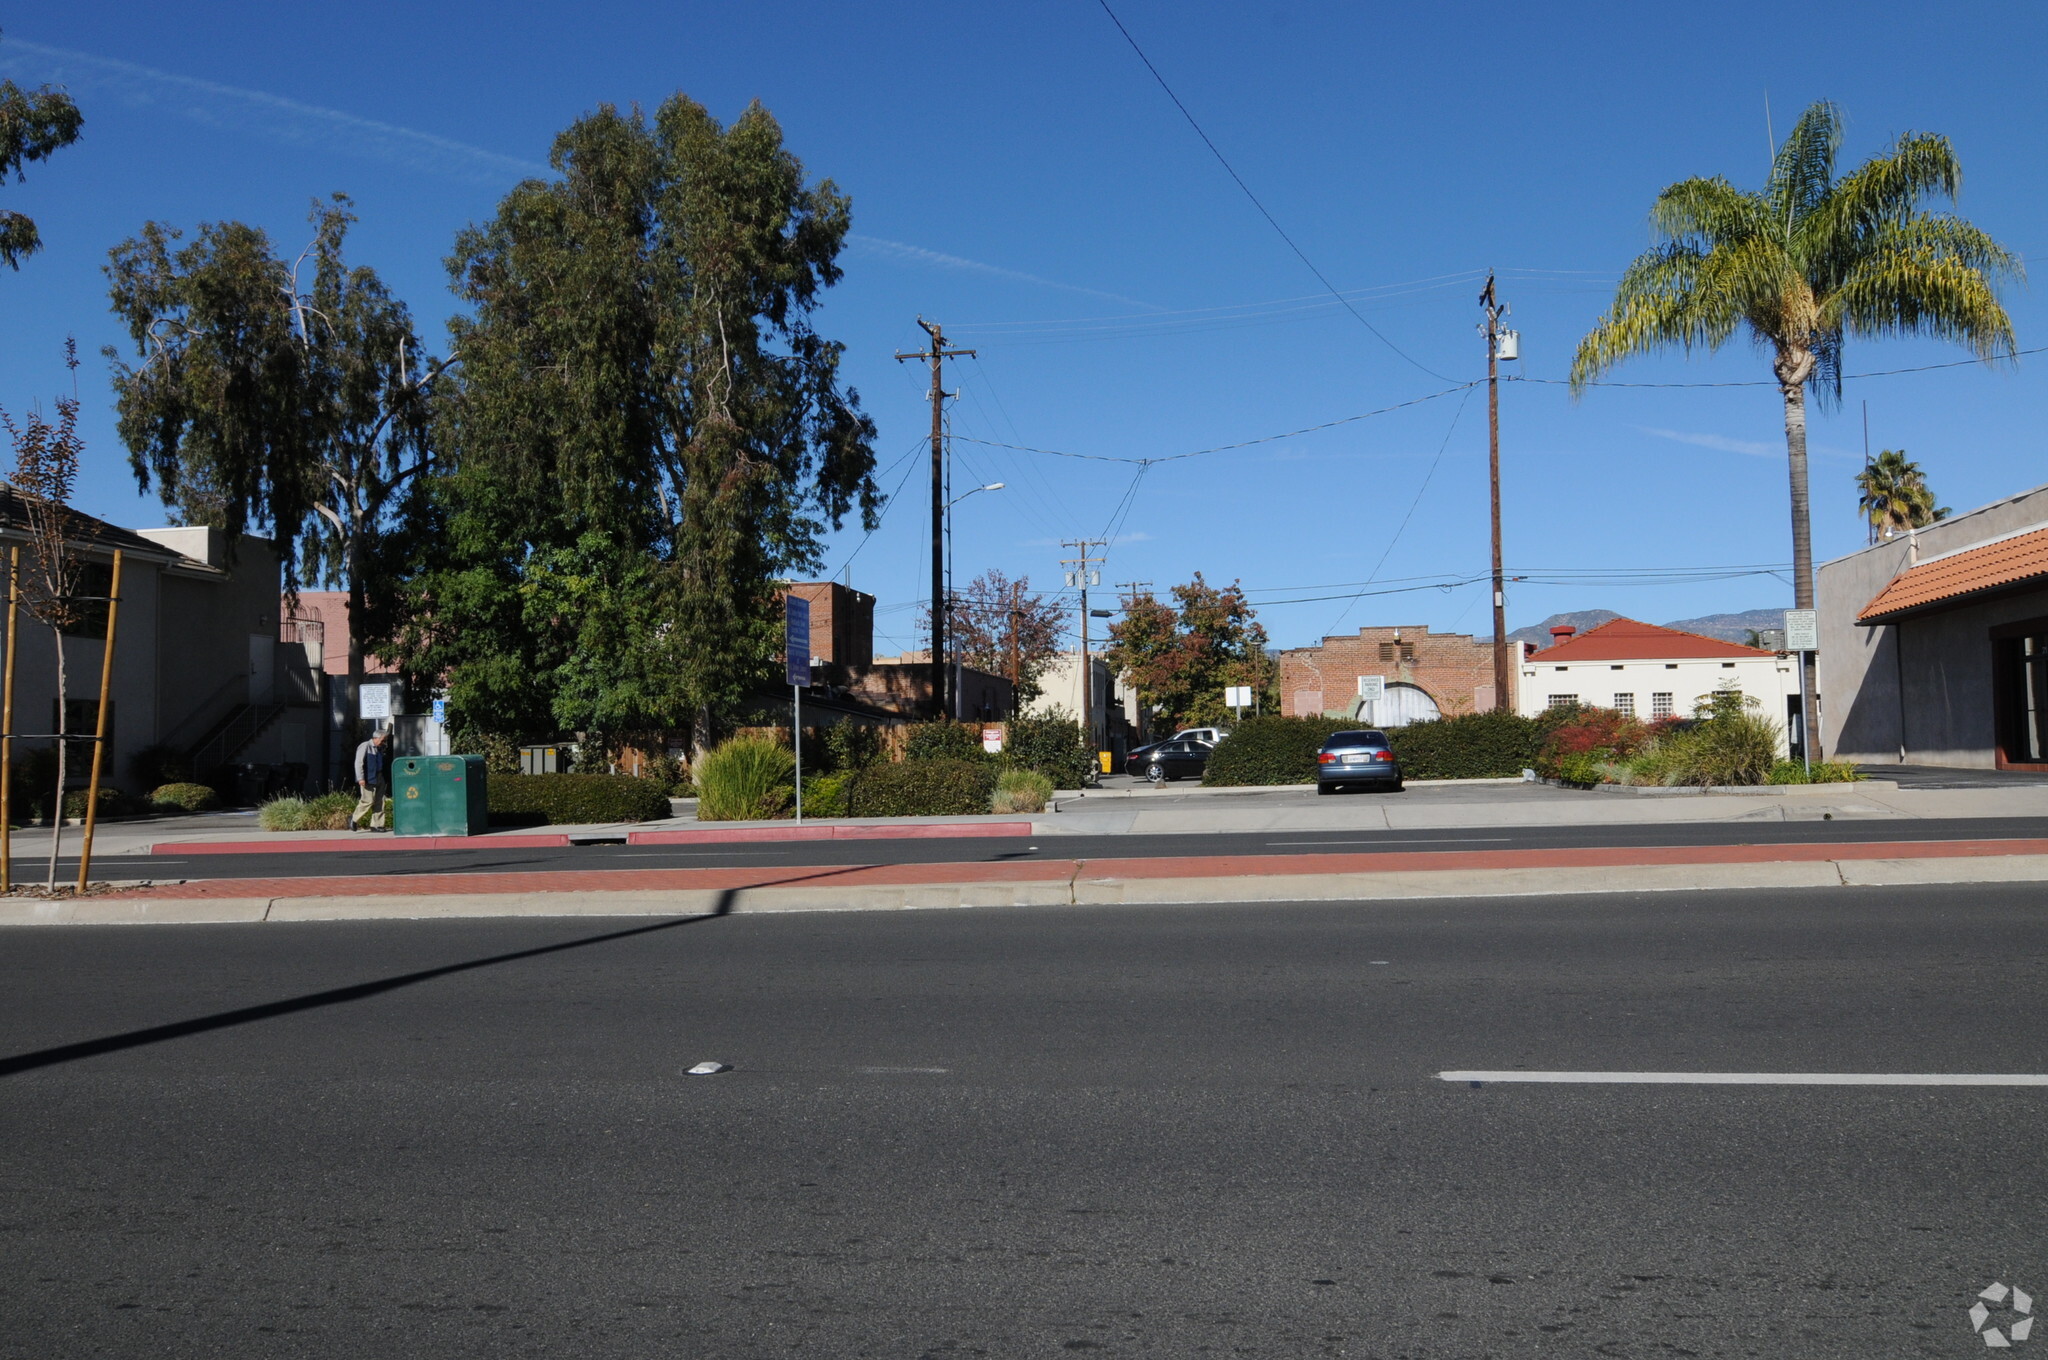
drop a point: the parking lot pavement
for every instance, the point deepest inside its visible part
(1121, 792)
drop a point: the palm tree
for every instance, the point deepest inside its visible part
(1895, 496)
(1803, 262)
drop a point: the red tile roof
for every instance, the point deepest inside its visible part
(2008, 561)
(1632, 640)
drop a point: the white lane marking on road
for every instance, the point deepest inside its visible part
(892, 1071)
(1409, 840)
(1762, 1078)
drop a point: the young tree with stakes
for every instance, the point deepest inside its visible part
(46, 458)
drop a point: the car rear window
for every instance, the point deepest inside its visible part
(1338, 739)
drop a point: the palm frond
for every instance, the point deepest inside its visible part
(1910, 286)
(1707, 212)
(1804, 168)
(1666, 307)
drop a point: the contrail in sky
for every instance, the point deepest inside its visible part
(898, 250)
(259, 114)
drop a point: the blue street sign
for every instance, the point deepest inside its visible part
(440, 710)
(796, 639)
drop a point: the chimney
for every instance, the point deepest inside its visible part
(1560, 632)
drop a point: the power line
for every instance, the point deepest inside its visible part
(1271, 221)
(1770, 382)
(1225, 448)
(1426, 479)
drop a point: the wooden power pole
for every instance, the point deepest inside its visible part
(1503, 667)
(937, 354)
(1084, 575)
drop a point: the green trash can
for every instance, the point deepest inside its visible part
(438, 796)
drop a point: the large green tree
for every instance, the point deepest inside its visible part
(34, 125)
(1181, 656)
(647, 435)
(288, 397)
(1802, 263)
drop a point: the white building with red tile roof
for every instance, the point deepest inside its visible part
(1652, 672)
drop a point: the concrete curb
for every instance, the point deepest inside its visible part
(1394, 885)
(821, 831)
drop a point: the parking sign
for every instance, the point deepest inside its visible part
(796, 640)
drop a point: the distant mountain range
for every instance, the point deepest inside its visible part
(1728, 627)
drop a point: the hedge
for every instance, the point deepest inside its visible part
(1271, 751)
(1495, 745)
(921, 788)
(574, 798)
(184, 798)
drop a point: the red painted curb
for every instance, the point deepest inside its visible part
(921, 831)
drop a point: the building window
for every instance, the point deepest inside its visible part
(1727, 665)
(1660, 704)
(1564, 700)
(1671, 665)
(95, 584)
(1626, 704)
(1614, 668)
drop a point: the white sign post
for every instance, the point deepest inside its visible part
(1802, 635)
(796, 653)
(374, 701)
(1371, 689)
(1238, 698)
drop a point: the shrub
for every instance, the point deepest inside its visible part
(1495, 745)
(1732, 746)
(570, 799)
(671, 775)
(183, 798)
(328, 812)
(1827, 772)
(1050, 745)
(1600, 733)
(1584, 768)
(944, 741)
(1271, 751)
(922, 788)
(113, 803)
(1021, 791)
(825, 794)
(746, 779)
(851, 746)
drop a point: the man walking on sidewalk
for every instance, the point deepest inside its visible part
(373, 778)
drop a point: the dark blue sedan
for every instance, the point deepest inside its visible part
(1359, 760)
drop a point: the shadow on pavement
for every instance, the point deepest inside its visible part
(156, 1034)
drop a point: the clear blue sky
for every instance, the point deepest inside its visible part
(1017, 174)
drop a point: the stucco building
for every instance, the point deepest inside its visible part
(1427, 675)
(1934, 644)
(1652, 672)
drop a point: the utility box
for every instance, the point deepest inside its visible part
(438, 796)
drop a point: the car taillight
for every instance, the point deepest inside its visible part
(1382, 755)
(1326, 758)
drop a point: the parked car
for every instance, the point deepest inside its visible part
(1209, 735)
(1171, 759)
(1361, 759)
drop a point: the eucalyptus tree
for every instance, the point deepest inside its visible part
(647, 434)
(1803, 263)
(1894, 495)
(286, 397)
(34, 125)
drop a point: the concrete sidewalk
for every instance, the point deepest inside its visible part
(1052, 882)
(1146, 811)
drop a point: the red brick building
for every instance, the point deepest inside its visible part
(1426, 673)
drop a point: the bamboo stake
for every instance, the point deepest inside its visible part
(7, 728)
(99, 744)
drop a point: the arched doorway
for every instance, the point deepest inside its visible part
(1404, 703)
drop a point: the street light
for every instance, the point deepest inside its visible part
(938, 624)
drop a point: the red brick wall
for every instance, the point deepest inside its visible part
(842, 622)
(1454, 669)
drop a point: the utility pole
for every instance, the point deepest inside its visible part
(1500, 344)
(1084, 575)
(937, 354)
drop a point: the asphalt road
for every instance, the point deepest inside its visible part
(1154, 1131)
(990, 849)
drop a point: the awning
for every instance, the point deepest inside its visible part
(1954, 577)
